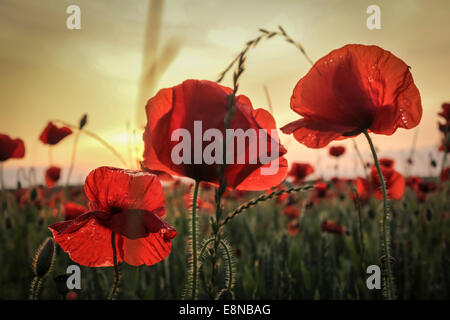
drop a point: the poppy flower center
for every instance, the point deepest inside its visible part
(115, 209)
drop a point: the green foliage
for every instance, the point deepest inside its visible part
(268, 263)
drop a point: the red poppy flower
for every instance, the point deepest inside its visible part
(332, 227)
(395, 184)
(321, 189)
(413, 182)
(11, 148)
(445, 145)
(72, 210)
(337, 151)
(445, 113)
(129, 203)
(427, 186)
(291, 212)
(300, 171)
(52, 134)
(386, 162)
(52, 176)
(445, 174)
(293, 228)
(208, 103)
(352, 89)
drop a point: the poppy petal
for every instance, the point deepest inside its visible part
(90, 245)
(149, 250)
(108, 187)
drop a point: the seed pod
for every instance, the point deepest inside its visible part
(44, 257)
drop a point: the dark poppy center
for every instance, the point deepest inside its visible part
(115, 209)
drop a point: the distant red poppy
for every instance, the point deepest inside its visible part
(445, 145)
(11, 148)
(352, 89)
(386, 162)
(52, 176)
(337, 151)
(413, 182)
(332, 227)
(129, 203)
(445, 113)
(445, 174)
(427, 186)
(53, 134)
(321, 189)
(299, 171)
(72, 210)
(194, 100)
(293, 228)
(291, 212)
(395, 184)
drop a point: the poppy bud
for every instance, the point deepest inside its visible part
(83, 121)
(33, 194)
(44, 257)
(433, 163)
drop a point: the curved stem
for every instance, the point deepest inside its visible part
(261, 198)
(115, 286)
(98, 138)
(385, 223)
(230, 266)
(222, 243)
(194, 240)
(72, 160)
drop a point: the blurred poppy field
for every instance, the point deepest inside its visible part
(277, 255)
(207, 203)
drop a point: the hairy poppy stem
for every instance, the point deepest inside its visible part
(388, 283)
(444, 157)
(2, 182)
(117, 276)
(194, 240)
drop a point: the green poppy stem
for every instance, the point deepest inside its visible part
(388, 283)
(444, 157)
(194, 240)
(2, 182)
(117, 275)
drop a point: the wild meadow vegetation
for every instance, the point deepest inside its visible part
(199, 229)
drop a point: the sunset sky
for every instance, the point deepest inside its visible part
(49, 72)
